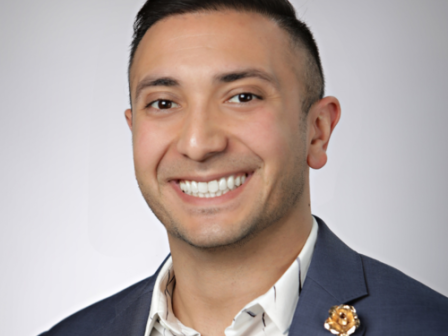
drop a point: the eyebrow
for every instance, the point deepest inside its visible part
(249, 73)
(151, 82)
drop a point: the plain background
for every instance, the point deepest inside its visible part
(74, 227)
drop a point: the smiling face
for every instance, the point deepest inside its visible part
(219, 138)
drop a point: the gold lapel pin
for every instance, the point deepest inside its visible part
(343, 320)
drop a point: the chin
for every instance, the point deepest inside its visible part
(217, 236)
(209, 238)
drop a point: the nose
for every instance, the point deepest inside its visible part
(202, 135)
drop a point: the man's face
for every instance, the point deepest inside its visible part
(217, 101)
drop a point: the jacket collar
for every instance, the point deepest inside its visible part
(335, 276)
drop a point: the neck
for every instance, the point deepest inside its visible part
(213, 286)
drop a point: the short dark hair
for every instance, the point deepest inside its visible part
(280, 11)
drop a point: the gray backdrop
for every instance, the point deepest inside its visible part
(74, 228)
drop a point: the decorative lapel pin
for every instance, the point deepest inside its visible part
(343, 320)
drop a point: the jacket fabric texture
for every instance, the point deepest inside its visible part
(387, 301)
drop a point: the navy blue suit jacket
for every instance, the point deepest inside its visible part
(387, 301)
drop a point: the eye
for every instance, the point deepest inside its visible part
(243, 98)
(163, 104)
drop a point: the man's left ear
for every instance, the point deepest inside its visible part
(323, 117)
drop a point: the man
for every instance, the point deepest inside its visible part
(228, 114)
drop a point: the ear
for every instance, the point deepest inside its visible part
(323, 117)
(128, 115)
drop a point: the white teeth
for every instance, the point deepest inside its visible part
(194, 187)
(222, 184)
(230, 182)
(213, 188)
(202, 186)
(238, 181)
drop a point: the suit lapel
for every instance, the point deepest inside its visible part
(132, 312)
(335, 276)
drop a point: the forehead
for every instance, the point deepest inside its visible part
(204, 43)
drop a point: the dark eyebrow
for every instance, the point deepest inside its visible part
(148, 82)
(237, 75)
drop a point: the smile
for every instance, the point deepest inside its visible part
(214, 188)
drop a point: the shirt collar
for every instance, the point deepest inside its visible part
(161, 304)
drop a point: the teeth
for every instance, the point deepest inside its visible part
(213, 188)
(222, 184)
(238, 181)
(194, 187)
(230, 182)
(202, 186)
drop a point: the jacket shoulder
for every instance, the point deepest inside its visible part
(398, 301)
(385, 279)
(91, 319)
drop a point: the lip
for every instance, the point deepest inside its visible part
(209, 201)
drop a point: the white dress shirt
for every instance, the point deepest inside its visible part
(269, 314)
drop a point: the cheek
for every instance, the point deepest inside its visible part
(271, 136)
(150, 142)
